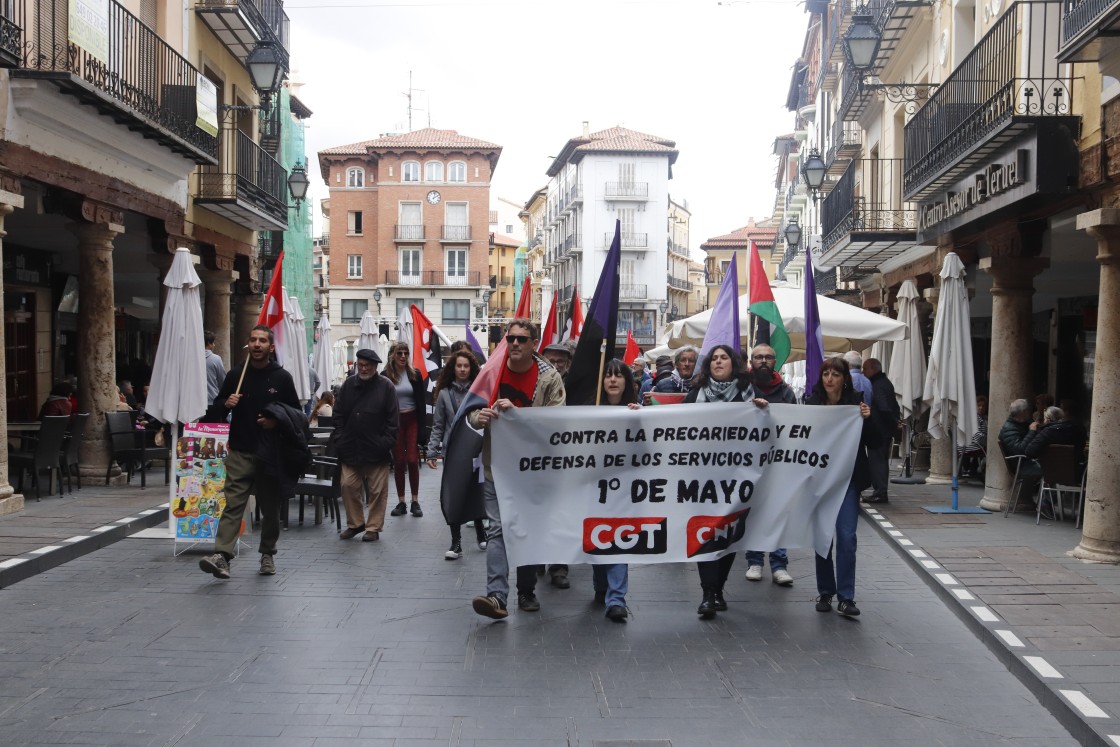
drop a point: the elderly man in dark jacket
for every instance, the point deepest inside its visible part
(365, 430)
(1017, 434)
(885, 416)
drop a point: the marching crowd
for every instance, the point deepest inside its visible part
(378, 428)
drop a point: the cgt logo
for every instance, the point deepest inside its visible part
(635, 536)
(714, 533)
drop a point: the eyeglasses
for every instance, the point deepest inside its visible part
(519, 339)
(402, 352)
(762, 358)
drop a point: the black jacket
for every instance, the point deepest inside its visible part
(284, 449)
(1064, 432)
(260, 387)
(885, 412)
(366, 419)
(861, 473)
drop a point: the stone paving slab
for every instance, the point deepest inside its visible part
(375, 643)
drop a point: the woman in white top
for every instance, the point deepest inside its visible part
(410, 399)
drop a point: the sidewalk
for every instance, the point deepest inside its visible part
(1052, 619)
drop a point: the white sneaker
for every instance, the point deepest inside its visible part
(754, 573)
(782, 577)
(481, 545)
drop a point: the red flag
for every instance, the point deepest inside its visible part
(426, 354)
(525, 301)
(632, 349)
(573, 325)
(272, 312)
(548, 335)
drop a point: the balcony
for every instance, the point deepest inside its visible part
(678, 284)
(437, 278)
(634, 241)
(241, 24)
(455, 233)
(1089, 30)
(11, 35)
(626, 190)
(137, 80)
(408, 232)
(270, 130)
(847, 141)
(632, 292)
(864, 220)
(1009, 84)
(249, 186)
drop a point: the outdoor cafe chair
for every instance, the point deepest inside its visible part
(1015, 463)
(41, 453)
(1061, 475)
(69, 456)
(324, 488)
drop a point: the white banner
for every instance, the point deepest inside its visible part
(670, 484)
(89, 27)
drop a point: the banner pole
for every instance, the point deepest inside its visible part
(602, 365)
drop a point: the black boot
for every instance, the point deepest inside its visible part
(707, 609)
(719, 602)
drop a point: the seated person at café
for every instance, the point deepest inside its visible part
(58, 401)
(1057, 429)
(972, 453)
(1017, 433)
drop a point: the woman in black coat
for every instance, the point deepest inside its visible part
(834, 387)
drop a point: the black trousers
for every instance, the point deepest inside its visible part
(879, 463)
(714, 573)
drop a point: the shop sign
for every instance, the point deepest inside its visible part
(994, 180)
(25, 267)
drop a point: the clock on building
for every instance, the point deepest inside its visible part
(433, 197)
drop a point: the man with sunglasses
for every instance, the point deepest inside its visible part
(526, 380)
(768, 385)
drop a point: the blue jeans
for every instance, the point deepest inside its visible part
(614, 579)
(778, 558)
(841, 582)
(497, 564)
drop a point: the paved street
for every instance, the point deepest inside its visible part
(376, 644)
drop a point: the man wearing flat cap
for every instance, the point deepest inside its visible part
(365, 431)
(559, 357)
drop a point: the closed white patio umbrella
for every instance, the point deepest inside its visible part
(907, 369)
(322, 357)
(950, 386)
(295, 356)
(367, 332)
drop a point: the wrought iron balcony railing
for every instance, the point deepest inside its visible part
(631, 190)
(11, 34)
(248, 186)
(456, 233)
(407, 232)
(1085, 22)
(432, 277)
(137, 79)
(678, 284)
(632, 291)
(629, 240)
(1009, 81)
(867, 199)
(240, 24)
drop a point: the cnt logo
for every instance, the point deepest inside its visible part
(643, 535)
(714, 533)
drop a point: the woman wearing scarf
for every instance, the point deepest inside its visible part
(720, 380)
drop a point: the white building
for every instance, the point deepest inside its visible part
(600, 177)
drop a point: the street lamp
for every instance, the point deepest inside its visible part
(298, 183)
(266, 68)
(861, 43)
(793, 233)
(814, 170)
(664, 306)
(377, 299)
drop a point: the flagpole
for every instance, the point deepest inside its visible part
(602, 365)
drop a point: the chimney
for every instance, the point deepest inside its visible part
(586, 129)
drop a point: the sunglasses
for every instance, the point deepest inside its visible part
(762, 358)
(519, 339)
(402, 352)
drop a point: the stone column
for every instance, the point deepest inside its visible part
(97, 344)
(162, 262)
(1100, 535)
(216, 311)
(1009, 376)
(940, 449)
(10, 501)
(247, 309)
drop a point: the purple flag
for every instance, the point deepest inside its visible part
(600, 326)
(475, 346)
(723, 325)
(814, 346)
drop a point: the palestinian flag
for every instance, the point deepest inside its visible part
(763, 306)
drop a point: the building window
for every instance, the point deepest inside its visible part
(354, 222)
(352, 310)
(456, 312)
(403, 305)
(456, 267)
(433, 171)
(493, 217)
(457, 171)
(509, 229)
(456, 224)
(411, 226)
(410, 266)
(355, 178)
(410, 171)
(354, 266)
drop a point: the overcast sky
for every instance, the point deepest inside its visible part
(526, 74)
